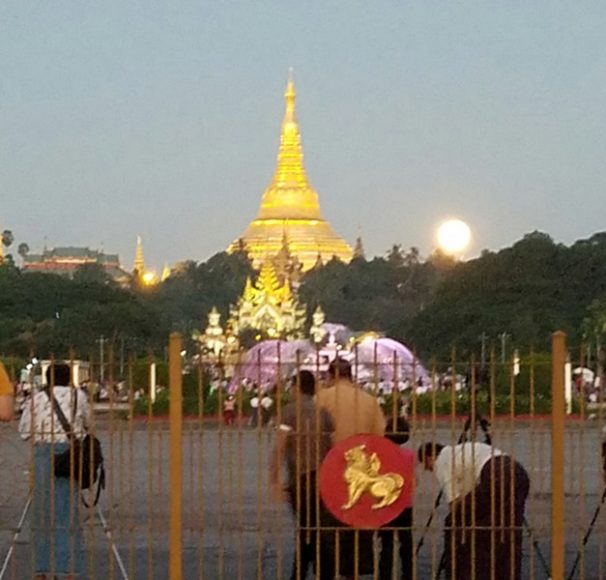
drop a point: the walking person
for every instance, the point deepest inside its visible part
(254, 408)
(7, 396)
(56, 536)
(484, 488)
(304, 437)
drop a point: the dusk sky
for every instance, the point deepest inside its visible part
(162, 119)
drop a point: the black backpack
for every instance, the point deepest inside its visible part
(83, 461)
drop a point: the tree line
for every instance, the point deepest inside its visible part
(523, 293)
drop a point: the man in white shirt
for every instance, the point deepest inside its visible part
(266, 409)
(255, 410)
(484, 487)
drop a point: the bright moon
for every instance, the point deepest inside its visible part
(453, 236)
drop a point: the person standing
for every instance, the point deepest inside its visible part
(7, 396)
(354, 412)
(229, 408)
(254, 409)
(304, 437)
(56, 533)
(400, 528)
(487, 491)
(266, 405)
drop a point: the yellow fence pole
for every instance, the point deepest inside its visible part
(176, 459)
(558, 362)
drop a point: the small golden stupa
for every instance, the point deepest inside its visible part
(290, 207)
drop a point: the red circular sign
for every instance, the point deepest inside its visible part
(366, 481)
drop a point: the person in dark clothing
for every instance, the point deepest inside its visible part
(487, 491)
(304, 438)
(400, 528)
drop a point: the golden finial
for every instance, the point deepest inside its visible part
(290, 95)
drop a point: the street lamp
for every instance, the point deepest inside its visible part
(102, 340)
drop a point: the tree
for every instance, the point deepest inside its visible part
(595, 321)
(412, 257)
(7, 238)
(88, 274)
(23, 250)
(395, 257)
(528, 290)
(185, 298)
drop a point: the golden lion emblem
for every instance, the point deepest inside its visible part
(362, 475)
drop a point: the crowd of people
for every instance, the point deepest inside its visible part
(485, 488)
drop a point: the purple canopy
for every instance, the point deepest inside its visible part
(393, 360)
(270, 361)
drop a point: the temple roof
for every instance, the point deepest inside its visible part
(290, 205)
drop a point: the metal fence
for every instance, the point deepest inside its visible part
(188, 451)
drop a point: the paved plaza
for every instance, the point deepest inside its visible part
(231, 527)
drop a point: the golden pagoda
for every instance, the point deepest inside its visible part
(290, 207)
(139, 259)
(141, 274)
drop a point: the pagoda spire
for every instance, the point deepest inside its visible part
(290, 156)
(290, 204)
(139, 259)
(290, 194)
(358, 252)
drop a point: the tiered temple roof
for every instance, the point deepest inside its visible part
(268, 306)
(67, 260)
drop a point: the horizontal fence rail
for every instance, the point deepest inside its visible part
(214, 464)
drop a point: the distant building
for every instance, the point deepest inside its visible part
(65, 261)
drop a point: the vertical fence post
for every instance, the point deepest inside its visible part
(558, 362)
(176, 460)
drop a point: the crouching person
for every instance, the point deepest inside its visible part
(486, 490)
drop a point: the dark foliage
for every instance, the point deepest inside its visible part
(526, 291)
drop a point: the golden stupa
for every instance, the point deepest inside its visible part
(290, 208)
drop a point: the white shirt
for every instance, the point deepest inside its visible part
(41, 422)
(266, 403)
(458, 467)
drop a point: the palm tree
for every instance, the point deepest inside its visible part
(6, 240)
(23, 250)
